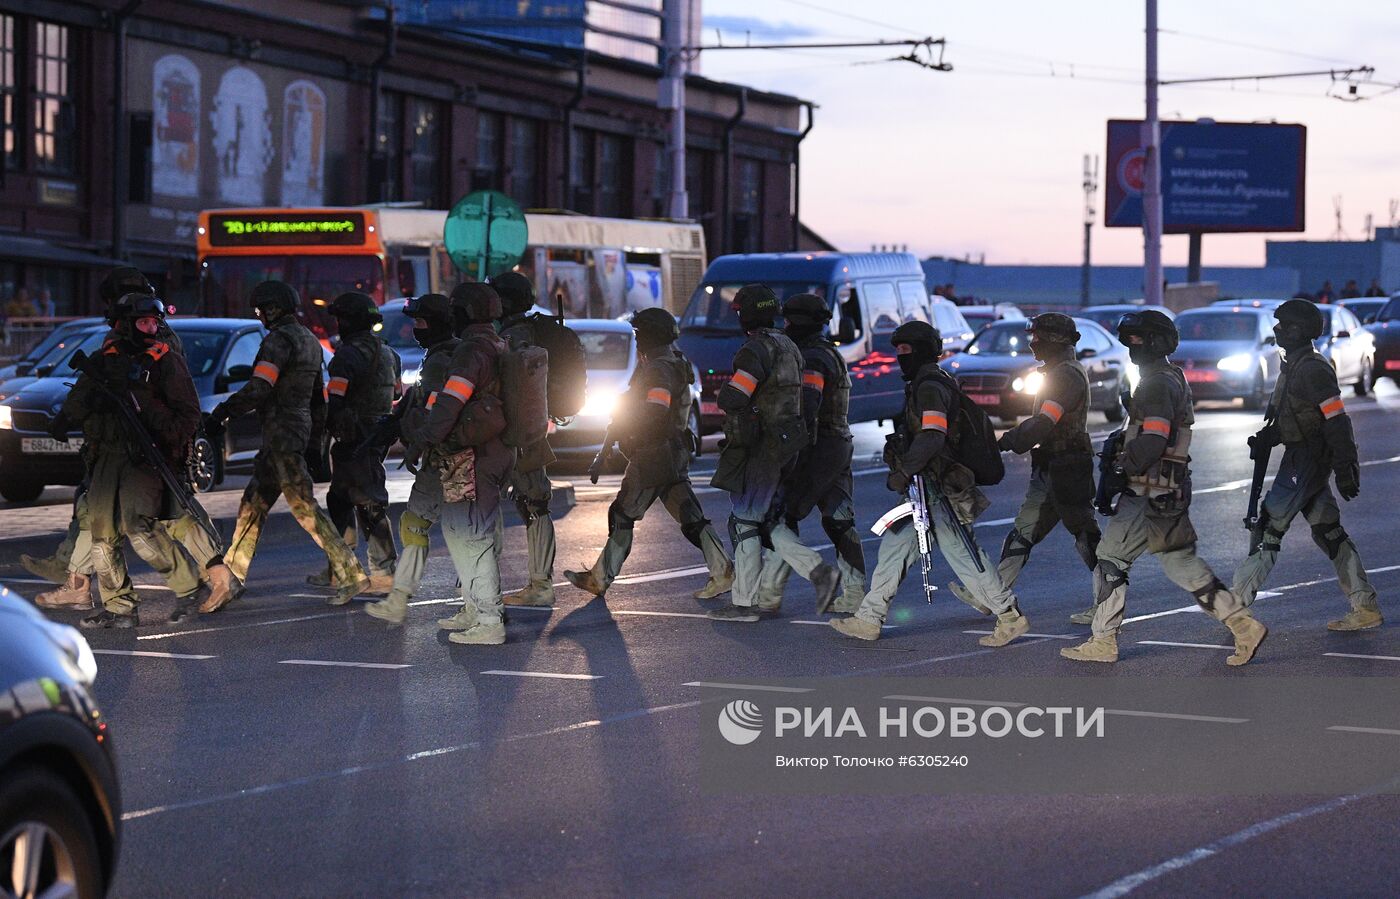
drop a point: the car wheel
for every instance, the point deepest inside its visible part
(1254, 400)
(47, 845)
(1366, 381)
(206, 466)
(20, 488)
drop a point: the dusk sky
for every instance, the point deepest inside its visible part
(987, 158)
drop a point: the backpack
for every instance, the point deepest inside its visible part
(972, 440)
(524, 378)
(568, 369)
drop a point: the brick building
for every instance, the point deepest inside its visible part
(123, 119)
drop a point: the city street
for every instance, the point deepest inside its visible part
(284, 747)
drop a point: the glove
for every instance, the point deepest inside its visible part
(58, 430)
(1348, 481)
(1004, 443)
(897, 482)
(894, 447)
(219, 415)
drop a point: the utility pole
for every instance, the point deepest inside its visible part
(673, 98)
(1152, 174)
(1091, 187)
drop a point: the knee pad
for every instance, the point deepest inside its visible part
(1205, 597)
(1330, 537)
(693, 529)
(741, 530)
(1264, 536)
(105, 557)
(842, 532)
(1113, 576)
(413, 529)
(1087, 545)
(619, 520)
(1015, 544)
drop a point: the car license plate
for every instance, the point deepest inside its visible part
(49, 445)
(1198, 375)
(709, 408)
(985, 399)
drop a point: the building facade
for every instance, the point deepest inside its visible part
(123, 120)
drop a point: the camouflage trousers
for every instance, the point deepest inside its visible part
(531, 492)
(126, 500)
(284, 474)
(75, 552)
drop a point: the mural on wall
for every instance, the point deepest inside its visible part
(175, 143)
(303, 144)
(242, 137)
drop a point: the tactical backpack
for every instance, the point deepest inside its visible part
(567, 369)
(972, 440)
(524, 378)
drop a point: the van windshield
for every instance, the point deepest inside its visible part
(709, 307)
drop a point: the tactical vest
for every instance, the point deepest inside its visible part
(437, 362)
(1071, 433)
(833, 416)
(912, 418)
(779, 398)
(1299, 421)
(679, 377)
(1169, 472)
(286, 414)
(372, 394)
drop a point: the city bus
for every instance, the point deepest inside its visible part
(592, 267)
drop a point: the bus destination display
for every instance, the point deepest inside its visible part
(338, 229)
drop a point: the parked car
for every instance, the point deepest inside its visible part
(610, 353)
(397, 332)
(220, 354)
(1229, 352)
(981, 316)
(1108, 315)
(1364, 308)
(1250, 304)
(1349, 347)
(60, 803)
(870, 294)
(1385, 331)
(40, 367)
(951, 325)
(25, 363)
(998, 372)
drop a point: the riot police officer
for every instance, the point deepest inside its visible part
(1152, 514)
(124, 497)
(1307, 416)
(763, 433)
(364, 378)
(655, 413)
(431, 314)
(1062, 464)
(529, 485)
(286, 390)
(822, 477)
(920, 448)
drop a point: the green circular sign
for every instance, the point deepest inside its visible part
(485, 234)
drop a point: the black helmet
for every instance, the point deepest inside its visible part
(275, 296)
(1305, 313)
(757, 305)
(919, 335)
(1055, 327)
(475, 303)
(807, 306)
(1158, 332)
(137, 305)
(121, 281)
(356, 305)
(655, 327)
(433, 308)
(517, 292)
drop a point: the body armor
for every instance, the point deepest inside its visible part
(779, 398)
(1170, 472)
(286, 415)
(1071, 433)
(833, 416)
(1299, 421)
(372, 396)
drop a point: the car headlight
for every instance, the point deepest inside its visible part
(1237, 362)
(599, 402)
(7, 420)
(409, 378)
(1030, 384)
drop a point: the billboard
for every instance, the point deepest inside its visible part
(1216, 176)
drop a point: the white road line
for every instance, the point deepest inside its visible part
(658, 614)
(545, 674)
(1173, 716)
(1186, 645)
(759, 687)
(663, 576)
(944, 700)
(1365, 730)
(1181, 611)
(827, 623)
(1042, 636)
(327, 664)
(309, 595)
(234, 627)
(1353, 655)
(148, 655)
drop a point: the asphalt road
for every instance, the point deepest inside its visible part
(283, 747)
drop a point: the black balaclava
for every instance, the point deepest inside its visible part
(911, 362)
(435, 333)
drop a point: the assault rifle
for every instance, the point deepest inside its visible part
(130, 415)
(600, 461)
(1261, 445)
(964, 534)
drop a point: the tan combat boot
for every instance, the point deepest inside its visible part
(857, 627)
(1249, 636)
(1010, 625)
(584, 580)
(393, 608)
(72, 595)
(1098, 649)
(483, 633)
(1357, 620)
(960, 592)
(49, 569)
(540, 596)
(224, 588)
(717, 586)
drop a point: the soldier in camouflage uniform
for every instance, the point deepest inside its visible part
(657, 443)
(1152, 514)
(919, 447)
(764, 432)
(364, 379)
(125, 498)
(822, 478)
(1307, 416)
(287, 391)
(432, 329)
(1062, 456)
(529, 487)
